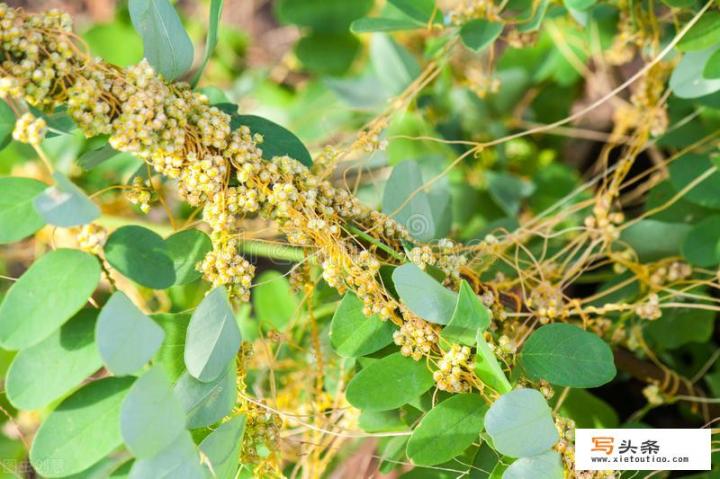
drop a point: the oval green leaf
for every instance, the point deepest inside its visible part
(213, 337)
(126, 338)
(166, 43)
(18, 217)
(423, 295)
(566, 355)
(171, 353)
(520, 424)
(704, 34)
(352, 334)
(141, 255)
(48, 294)
(46, 371)
(687, 79)
(447, 430)
(151, 417)
(82, 430)
(389, 383)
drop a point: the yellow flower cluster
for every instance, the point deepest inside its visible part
(260, 441)
(454, 368)
(140, 193)
(91, 238)
(416, 338)
(29, 129)
(225, 266)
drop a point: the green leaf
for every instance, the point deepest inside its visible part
(423, 295)
(92, 158)
(274, 302)
(126, 338)
(566, 355)
(18, 217)
(420, 212)
(380, 24)
(151, 417)
(179, 460)
(389, 383)
(701, 246)
(277, 141)
(704, 34)
(711, 71)
(46, 371)
(547, 465)
(186, 249)
(222, 447)
(328, 16)
(653, 240)
(82, 430)
(447, 430)
(680, 326)
(487, 368)
(49, 293)
(216, 7)
(478, 34)
(104, 38)
(141, 255)
(166, 43)
(508, 191)
(469, 317)
(327, 53)
(520, 424)
(65, 205)
(7, 124)
(352, 334)
(207, 403)
(687, 79)
(394, 65)
(171, 352)
(688, 168)
(579, 5)
(213, 337)
(422, 11)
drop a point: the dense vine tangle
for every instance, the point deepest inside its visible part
(179, 134)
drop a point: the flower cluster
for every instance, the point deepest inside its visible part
(454, 368)
(260, 441)
(224, 265)
(675, 271)
(91, 238)
(602, 223)
(140, 193)
(416, 338)
(547, 302)
(650, 309)
(29, 129)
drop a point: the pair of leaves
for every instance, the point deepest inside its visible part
(48, 294)
(145, 257)
(425, 214)
(566, 355)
